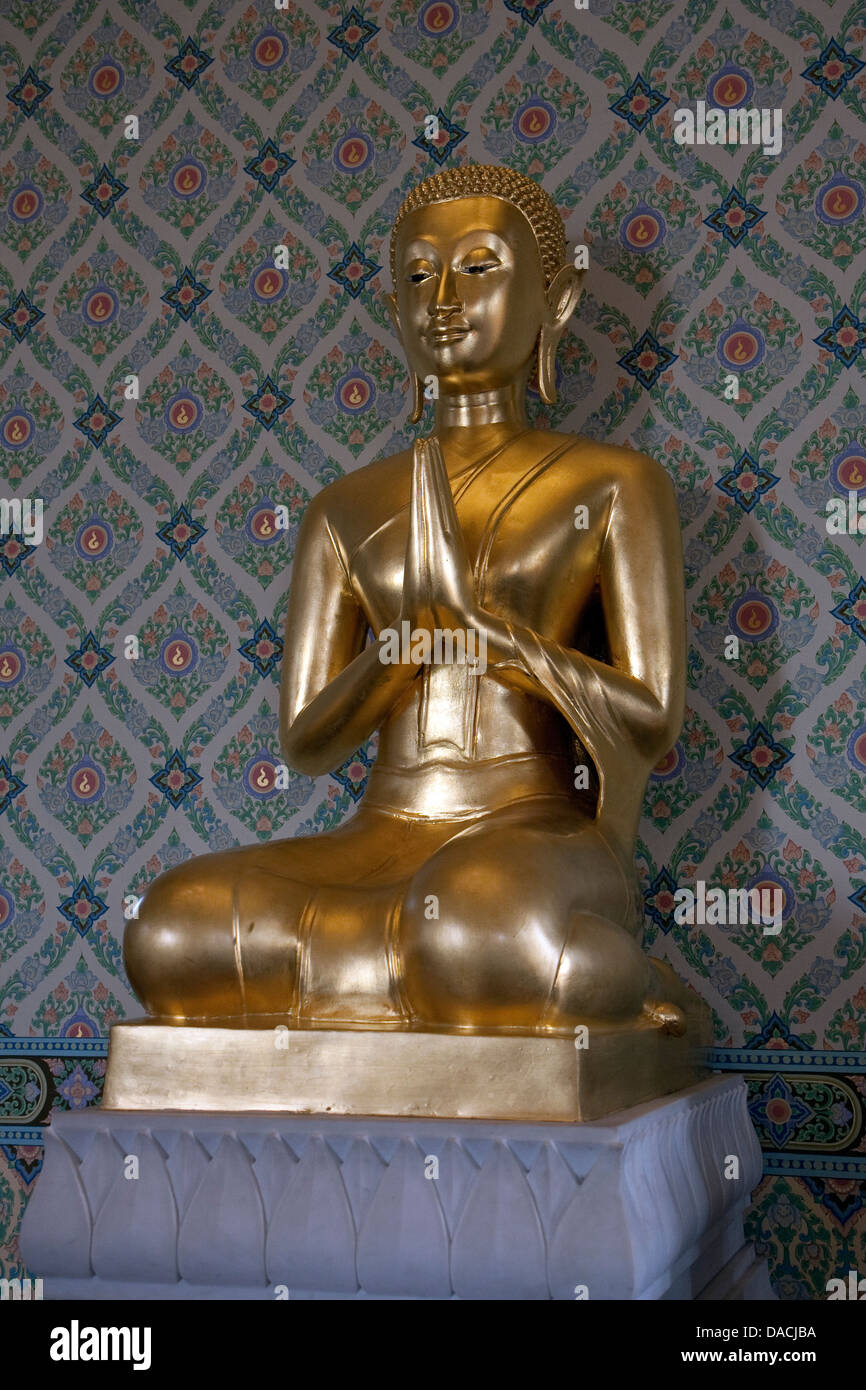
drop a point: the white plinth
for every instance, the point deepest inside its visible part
(635, 1206)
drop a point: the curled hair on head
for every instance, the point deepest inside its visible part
(492, 181)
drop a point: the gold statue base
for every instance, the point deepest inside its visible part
(156, 1064)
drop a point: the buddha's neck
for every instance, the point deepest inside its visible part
(503, 407)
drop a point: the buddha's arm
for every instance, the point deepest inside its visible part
(627, 713)
(334, 691)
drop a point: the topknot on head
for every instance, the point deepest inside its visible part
(492, 181)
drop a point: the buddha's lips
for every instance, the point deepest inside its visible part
(449, 333)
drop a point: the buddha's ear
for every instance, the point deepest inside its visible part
(394, 313)
(417, 386)
(563, 294)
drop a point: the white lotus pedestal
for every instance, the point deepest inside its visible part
(644, 1204)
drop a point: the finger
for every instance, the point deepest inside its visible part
(417, 543)
(453, 583)
(435, 459)
(443, 525)
(421, 497)
(437, 474)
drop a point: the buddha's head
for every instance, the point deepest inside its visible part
(481, 284)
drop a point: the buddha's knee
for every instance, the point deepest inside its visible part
(490, 936)
(602, 975)
(178, 950)
(480, 937)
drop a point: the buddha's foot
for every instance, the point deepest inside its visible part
(671, 1018)
(666, 1005)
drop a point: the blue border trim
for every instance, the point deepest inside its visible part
(54, 1047)
(794, 1165)
(22, 1134)
(789, 1059)
(719, 1058)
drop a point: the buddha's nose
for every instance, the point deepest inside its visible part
(445, 299)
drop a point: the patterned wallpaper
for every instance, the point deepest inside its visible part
(148, 254)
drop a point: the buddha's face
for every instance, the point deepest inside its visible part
(470, 293)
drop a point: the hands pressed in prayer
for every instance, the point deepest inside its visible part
(438, 582)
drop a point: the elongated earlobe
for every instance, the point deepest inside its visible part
(547, 342)
(416, 382)
(563, 294)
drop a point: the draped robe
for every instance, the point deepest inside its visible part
(472, 801)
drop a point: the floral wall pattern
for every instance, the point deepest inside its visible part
(153, 257)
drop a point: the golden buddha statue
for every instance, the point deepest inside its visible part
(486, 883)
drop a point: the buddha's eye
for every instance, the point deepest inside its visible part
(478, 262)
(418, 275)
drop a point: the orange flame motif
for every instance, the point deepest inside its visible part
(752, 619)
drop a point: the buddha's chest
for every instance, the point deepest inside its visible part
(533, 546)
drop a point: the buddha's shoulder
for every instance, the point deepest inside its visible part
(366, 490)
(615, 463)
(362, 486)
